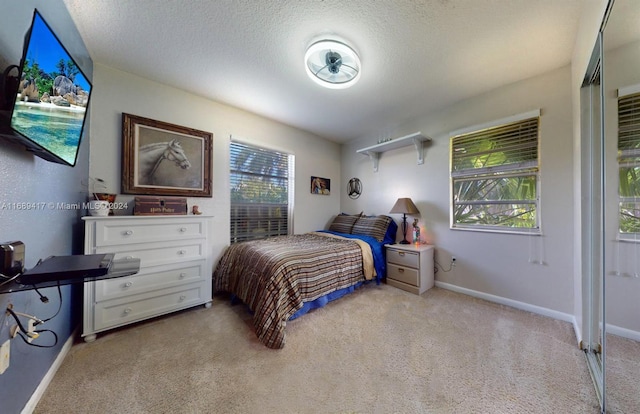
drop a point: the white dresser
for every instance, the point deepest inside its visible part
(410, 267)
(175, 268)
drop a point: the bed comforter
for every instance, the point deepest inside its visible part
(275, 276)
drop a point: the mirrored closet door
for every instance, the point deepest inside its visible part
(592, 214)
(621, 282)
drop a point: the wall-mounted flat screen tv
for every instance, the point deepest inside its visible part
(53, 94)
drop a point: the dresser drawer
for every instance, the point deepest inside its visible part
(150, 279)
(117, 312)
(403, 258)
(116, 232)
(403, 274)
(154, 254)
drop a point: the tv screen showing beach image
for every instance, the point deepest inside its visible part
(53, 95)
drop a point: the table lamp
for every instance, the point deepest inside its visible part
(404, 206)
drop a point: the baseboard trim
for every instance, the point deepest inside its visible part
(510, 302)
(623, 332)
(611, 329)
(46, 380)
(577, 331)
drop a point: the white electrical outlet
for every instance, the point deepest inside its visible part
(5, 356)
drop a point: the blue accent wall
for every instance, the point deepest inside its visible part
(46, 231)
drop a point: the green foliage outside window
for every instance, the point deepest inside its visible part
(629, 191)
(629, 163)
(502, 201)
(494, 175)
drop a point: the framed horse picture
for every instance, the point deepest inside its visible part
(159, 158)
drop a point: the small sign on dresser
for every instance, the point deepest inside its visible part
(151, 206)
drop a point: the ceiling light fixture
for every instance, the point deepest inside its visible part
(332, 64)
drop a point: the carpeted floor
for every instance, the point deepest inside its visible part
(623, 375)
(379, 350)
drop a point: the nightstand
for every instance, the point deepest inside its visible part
(410, 267)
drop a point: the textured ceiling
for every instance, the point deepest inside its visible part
(417, 56)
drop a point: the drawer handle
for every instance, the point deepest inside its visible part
(400, 253)
(401, 270)
(182, 275)
(182, 252)
(183, 229)
(128, 257)
(128, 284)
(128, 232)
(182, 298)
(127, 311)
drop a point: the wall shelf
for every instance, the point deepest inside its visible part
(374, 151)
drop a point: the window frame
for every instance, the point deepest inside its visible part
(488, 173)
(290, 189)
(625, 93)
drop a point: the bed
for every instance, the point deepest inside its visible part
(281, 278)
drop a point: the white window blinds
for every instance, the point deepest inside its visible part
(629, 164)
(494, 177)
(260, 192)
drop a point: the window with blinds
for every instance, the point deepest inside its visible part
(261, 192)
(629, 164)
(494, 178)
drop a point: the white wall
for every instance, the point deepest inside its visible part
(46, 230)
(118, 92)
(496, 264)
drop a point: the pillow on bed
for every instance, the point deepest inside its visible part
(390, 236)
(374, 226)
(343, 223)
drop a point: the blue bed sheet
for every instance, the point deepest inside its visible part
(379, 262)
(377, 248)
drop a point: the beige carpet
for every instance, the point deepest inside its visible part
(379, 350)
(622, 375)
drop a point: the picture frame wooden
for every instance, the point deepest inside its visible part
(159, 158)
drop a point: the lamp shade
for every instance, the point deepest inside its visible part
(404, 206)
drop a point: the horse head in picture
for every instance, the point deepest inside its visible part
(150, 157)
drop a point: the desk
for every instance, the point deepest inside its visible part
(119, 268)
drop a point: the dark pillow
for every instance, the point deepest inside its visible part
(390, 236)
(343, 223)
(374, 226)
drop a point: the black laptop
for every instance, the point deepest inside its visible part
(58, 268)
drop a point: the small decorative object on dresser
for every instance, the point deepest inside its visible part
(101, 203)
(99, 208)
(154, 206)
(175, 268)
(410, 267)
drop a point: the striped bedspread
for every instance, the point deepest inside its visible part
(275, 276)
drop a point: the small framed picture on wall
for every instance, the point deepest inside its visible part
(320, 185)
